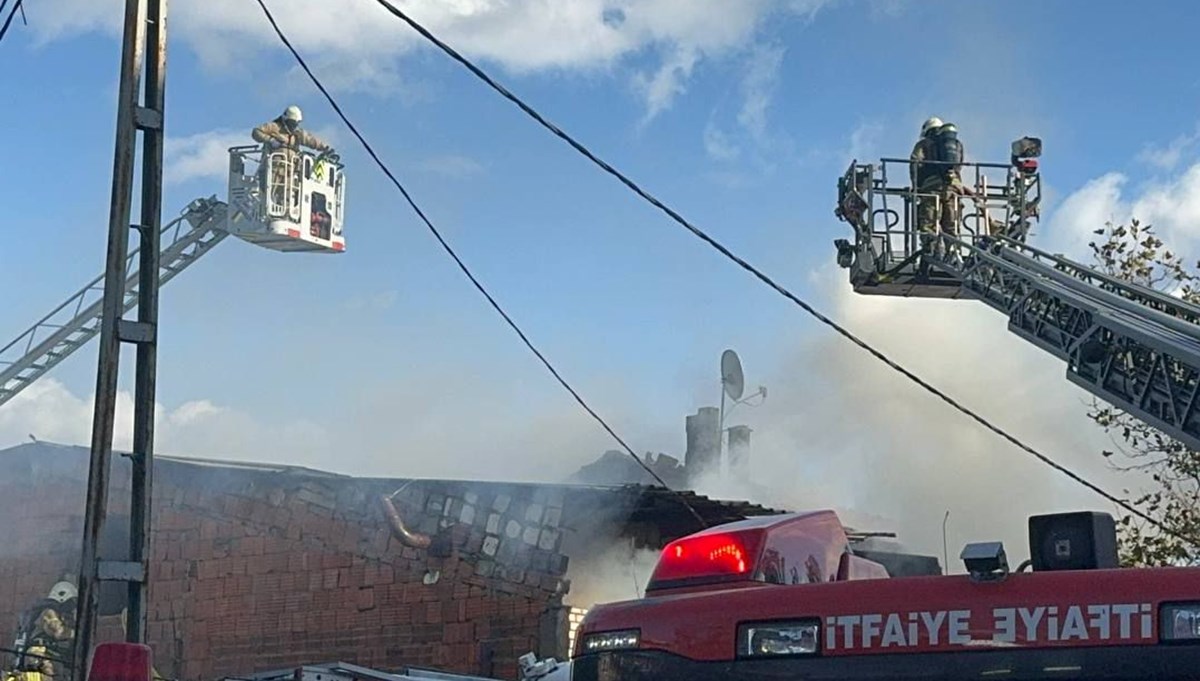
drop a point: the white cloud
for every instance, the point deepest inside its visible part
(749, 129)
(718, 145)
(1171, 205)
(1070, 227)
(359, 42)
(434, 423)
(668, 82)
(49, 412)
(1167, 157)
(864, 142)
(203, 156)
(452, 165)
(758, 88)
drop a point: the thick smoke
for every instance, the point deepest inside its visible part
(842, 430)
(619, 573)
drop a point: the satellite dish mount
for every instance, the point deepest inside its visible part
(733, 386)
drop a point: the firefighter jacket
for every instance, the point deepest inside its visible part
(276, 132)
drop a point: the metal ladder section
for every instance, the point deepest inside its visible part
(1129, 345)
(76, 321)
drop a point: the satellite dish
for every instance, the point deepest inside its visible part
(731, 375)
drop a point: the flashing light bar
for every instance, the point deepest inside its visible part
(720, 555)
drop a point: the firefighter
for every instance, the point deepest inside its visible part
(939, 182)
(46, 634)
(284, 133)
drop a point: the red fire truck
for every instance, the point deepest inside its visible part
(788, 597)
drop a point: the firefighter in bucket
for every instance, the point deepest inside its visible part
(935, 167)
(284, 133)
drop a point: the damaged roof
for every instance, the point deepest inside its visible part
(664, 510)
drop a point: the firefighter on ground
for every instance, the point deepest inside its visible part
(284, 133)
(935, 163)
(46, 635)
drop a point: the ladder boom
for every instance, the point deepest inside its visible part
(1130, 345)
(1136, 357)
(1144, 295)
(73, 323)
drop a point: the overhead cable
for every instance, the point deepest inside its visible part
(13, 13)
(462, 266)
(765, 279)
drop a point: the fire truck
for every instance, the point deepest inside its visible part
(791, 597)
(787, 597)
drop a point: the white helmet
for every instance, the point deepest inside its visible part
(63, 592)
(933, 122)
(292, 113)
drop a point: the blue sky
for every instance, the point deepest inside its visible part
(740, 115)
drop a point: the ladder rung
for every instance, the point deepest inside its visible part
(120, 571)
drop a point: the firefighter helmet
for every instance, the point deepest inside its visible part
(63, 592)
(293, 115)
(931, 124)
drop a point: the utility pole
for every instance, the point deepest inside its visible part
(143, 53)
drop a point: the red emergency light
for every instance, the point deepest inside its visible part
(791, 548)
(120, 662)
(708, 556)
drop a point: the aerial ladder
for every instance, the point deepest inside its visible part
(281, 200)
(1129, 345)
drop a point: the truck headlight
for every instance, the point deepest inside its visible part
(766, 639)
(1180, 622)
(611, 640)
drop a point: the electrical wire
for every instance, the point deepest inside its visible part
(764, 278)
(11, 15)
(462, 266)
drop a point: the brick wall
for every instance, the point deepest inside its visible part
(256, 570)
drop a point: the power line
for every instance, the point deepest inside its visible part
(11, 15)
(462, 266)
(761, 276)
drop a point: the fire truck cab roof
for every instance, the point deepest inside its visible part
(786, 597)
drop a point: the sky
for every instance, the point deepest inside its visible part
(384, 361)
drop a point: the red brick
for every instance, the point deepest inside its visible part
(249, 546)
(330, 578)
(366, 598)
(386, 575)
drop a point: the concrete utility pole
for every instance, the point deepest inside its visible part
(143, 53)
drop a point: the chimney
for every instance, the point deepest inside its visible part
(703, 442)
(739, 450)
